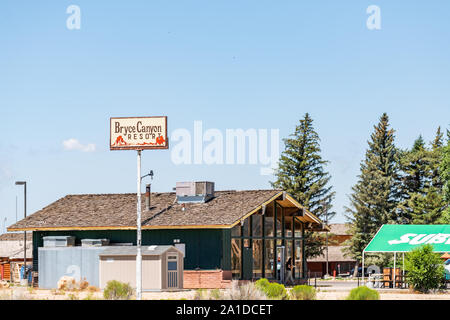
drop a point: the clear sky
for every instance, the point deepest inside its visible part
(231, 64)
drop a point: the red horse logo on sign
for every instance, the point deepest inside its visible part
(138, 133)
(160, 140)
(119, 142)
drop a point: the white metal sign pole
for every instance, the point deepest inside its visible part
(139, 253)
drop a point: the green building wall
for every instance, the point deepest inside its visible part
(206, 249)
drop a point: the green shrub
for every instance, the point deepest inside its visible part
(425, 269)
(215, 295)
(276, 291)
(116, 290)
(303, 293)
(363, 293)
(261, 284)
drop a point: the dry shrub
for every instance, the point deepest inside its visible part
(73, 297)
(246, 291)
(70, 284)
(83, 284)
(93, 289)
(57, 292)
(4, 285)
(66, 283)
(215, 294)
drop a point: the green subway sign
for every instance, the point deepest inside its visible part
(404, 238)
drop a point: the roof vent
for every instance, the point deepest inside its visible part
(59, 241)
(197, 192)
(94, 242)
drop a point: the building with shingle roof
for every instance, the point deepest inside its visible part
(232, 233)
(12, 254)
(339, 262)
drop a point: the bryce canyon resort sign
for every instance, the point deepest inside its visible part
(138, 133)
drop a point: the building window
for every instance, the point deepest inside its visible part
(268, 224)
(257, 258)
(298, 259)
(288, 226)
(246, 228)
(269, 259)
(257, 225)
(279, 221)
(236, 258)
(236, 231)
(289, 252)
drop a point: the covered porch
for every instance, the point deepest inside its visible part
(271, 233)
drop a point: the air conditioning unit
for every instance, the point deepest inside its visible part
(197, 192)
(59, 241)
(94, 242)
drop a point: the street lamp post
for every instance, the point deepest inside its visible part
(24, 184)
(326, 234)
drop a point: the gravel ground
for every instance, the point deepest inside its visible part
(341, 295)
(331, 291)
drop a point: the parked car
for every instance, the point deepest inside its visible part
(352, 272)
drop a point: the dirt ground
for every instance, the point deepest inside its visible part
(341, 295)
(331, 291)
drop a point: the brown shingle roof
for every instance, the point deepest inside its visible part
(335, 253)
(119, 211)
(14, 237)
(340, 229)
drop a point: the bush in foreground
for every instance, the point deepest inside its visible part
(262, 284)
(276, 291)
(425, 269)
(247, 291)
(363, 293)
(303, 293)
(116, 290)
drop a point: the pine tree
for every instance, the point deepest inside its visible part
(445, 176)
(422, 185)
(435, 159)
(413, 166)
(376, 193)
(301, 173)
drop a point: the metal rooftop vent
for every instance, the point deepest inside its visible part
(196, 192)
(94, 242)
(59, 241)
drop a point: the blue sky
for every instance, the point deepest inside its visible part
(231, 64)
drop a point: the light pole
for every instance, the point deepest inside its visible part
(24, 184)
(326, 234)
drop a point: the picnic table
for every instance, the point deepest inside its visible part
(381, 280)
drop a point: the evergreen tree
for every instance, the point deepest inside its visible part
(422, 201)
(376, 193)
(435, 159)
(301, 173)
(413, 167)
(445, 176)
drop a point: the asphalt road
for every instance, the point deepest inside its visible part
(335, 285)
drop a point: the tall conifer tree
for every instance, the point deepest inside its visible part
(301, 172)
(445, 176)
(422, 185)
(376, 193)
